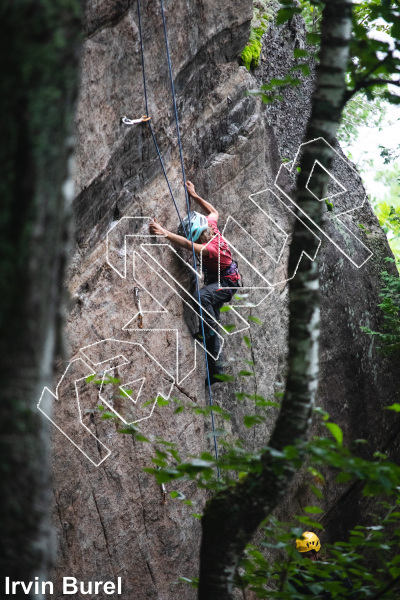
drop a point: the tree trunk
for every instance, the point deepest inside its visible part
(232, 516)
(39, 59)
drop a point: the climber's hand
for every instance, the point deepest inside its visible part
(156, 229)
(190, 188)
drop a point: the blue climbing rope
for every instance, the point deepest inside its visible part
(153, 135)
(188, 212)
(171, 193)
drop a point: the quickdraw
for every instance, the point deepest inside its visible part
(142, 119)
(140, 316)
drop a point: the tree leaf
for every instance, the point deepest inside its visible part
(395, 407)
(335, 431)
(299, 53)
(107, 415)
(250, 420)
(254, 320)
(162, 401)
(313, 510)
(225, 308)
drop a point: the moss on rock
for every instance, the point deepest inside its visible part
(263, 12)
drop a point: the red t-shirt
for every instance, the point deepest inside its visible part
(219, 254)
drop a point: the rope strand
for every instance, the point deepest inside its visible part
(170, 189)
(188, 211)
(153, 135)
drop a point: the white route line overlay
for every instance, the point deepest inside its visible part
(303, 253)
(144, 246)
(164, 310)
(196, 342)
(121, 364)
(91, 372)
(55, 396)
(293, 162)
(156, 330)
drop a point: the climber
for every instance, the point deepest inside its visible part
(208, 242)
(304, 580)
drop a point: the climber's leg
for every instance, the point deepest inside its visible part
(212, 297)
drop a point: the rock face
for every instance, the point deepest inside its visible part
(110, 515)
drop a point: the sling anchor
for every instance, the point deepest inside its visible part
(142, 119)
(164, 494)
(140, 316)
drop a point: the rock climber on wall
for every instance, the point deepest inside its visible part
(208, 241)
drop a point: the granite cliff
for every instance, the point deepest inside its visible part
(109, 514)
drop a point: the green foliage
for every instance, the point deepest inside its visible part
(312, 13)
(329, 205)
(387, 205)
(390, 154)
(335, 431)
(344, 569)
(374, 61)
(389, 220)
(262, 13)
(287, 11)
(389, 337)
(359, 112)
(254, 320)
(390, 177)
(369, 557)
(268, 90)
(251, 53)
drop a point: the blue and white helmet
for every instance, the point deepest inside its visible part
(198, 224)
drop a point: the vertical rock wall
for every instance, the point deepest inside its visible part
(110, 518)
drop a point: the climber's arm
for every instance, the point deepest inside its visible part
(206, 206)
(177, 240)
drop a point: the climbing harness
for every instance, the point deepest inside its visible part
(170, 189)
(140, 316)
(142, 119)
